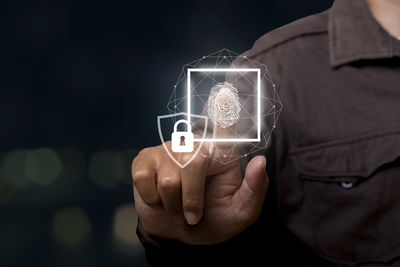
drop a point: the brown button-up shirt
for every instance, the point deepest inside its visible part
(334, 160)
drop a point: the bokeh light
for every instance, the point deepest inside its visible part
(125, 222)
(71, 227)
(13, 168)
(42, 166)
(107, 168)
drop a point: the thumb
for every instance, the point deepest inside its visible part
(249, 198)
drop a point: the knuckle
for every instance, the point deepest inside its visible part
(169, 182)
(140, 175)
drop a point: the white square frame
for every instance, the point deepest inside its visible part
(235, 140)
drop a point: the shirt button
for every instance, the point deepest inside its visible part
(347, 185)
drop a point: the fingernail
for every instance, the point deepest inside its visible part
(191, 218)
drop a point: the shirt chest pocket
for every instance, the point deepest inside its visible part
(352, 197)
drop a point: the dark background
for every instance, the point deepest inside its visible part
(81, 84)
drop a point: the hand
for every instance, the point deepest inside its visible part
(206, 202)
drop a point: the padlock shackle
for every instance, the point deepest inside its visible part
(189, 127)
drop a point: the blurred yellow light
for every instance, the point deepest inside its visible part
(71, 227)
(43, 166)
(125, 221)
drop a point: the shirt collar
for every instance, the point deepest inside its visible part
(355, 35)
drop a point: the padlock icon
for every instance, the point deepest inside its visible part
(182, 141)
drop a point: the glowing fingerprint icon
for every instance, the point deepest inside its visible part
(223, 105)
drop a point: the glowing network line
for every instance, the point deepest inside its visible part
(223, 61)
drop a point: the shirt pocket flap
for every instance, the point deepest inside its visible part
(354, 158)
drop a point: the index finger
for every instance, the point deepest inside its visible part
(225, 110)
(225, 113)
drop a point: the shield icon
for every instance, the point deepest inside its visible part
(170, 119)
